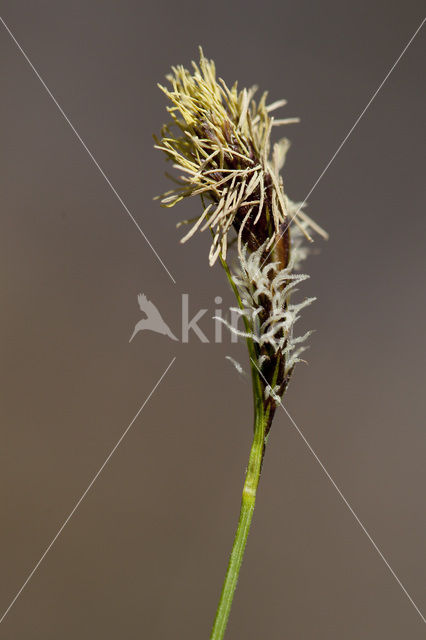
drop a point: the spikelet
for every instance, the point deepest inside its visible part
(265, 292)
(219, 141)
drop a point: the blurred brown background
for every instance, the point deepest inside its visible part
(144, 556)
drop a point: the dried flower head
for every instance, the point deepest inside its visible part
(219, 139)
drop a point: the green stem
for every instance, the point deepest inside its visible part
(246, 515)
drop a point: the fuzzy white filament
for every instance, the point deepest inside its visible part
(254, 281)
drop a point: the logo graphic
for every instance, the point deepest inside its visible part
(153, 320)
(190, 321)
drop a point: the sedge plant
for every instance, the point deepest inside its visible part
(219, 140)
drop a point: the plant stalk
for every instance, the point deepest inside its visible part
(244, 522)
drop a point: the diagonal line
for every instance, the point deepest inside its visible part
(92, 157)
(347, 136)
(345, 501)
(80, 500)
